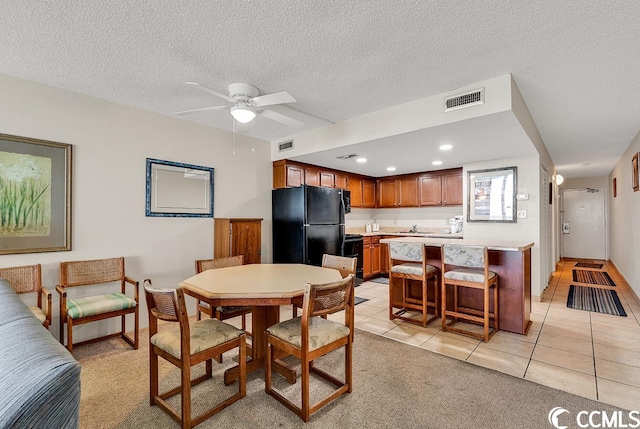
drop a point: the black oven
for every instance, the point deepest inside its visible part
(353, 249)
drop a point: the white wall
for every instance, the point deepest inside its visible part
(110, 145)
(524, 230)
(586, 182)
(624, 212)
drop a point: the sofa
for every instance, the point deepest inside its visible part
(39, 379)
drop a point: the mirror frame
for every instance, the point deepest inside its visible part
(153, 188)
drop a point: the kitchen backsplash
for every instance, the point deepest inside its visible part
(424, 217)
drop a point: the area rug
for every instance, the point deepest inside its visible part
(359, 300)
(381, 280)
(589, 265)
(595, 299)
(593, 277)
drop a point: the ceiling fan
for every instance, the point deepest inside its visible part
(245, 103)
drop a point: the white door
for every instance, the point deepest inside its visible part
(583, 226)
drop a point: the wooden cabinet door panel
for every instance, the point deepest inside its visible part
(311, 177)
(386, 193)
(368, 193)
(355, 187)
(430, 190)
(295, 176)
(407, 192)
(246, 240)
(375, 259)
(366, 261)
(341, 181)
(452, 189)
(326, 179)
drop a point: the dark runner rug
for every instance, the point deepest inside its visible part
(593, 277)
(589, 265)
(382, 280)
(595, 299)
(359, 300)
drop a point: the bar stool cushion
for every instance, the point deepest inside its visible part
(411, 268)
(321, 332)
(204, 334)
(468, 275)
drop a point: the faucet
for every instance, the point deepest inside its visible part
(414, 229)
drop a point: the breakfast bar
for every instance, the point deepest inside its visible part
(511, 261)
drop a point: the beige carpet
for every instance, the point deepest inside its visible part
(395, 385)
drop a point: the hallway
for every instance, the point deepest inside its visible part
(589, 354)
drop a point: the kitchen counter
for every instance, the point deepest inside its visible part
(429, 240)
(510, 260)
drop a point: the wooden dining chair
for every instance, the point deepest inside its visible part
(221, 312)
(408, 261)
(28, 279)
(343, 264)
(310, 337)
(470, 270)
(185, 345)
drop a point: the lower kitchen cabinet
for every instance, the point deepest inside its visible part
(371, 257)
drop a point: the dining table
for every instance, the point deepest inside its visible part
(264, 287)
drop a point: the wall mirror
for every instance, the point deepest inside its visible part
(492, 195)
(178, 190)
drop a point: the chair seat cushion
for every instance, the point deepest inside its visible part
(38, 313)
(468, 275)
(99, 304)
(321, 332)
(411, 268)
(204, 334)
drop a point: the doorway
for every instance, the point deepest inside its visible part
(584, 223)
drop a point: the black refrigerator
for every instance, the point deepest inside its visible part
(307, 222)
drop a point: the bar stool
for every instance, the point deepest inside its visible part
(472, 271)
(407, 261)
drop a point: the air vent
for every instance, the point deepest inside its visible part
(351, 155)
(467, 99)
(285, 146)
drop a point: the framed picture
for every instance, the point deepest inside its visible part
(492, 195)
(615, 187)
(35, 195)
(178, 190)
(635, 180)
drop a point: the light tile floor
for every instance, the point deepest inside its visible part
(589, 354)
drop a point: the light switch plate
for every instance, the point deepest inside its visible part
(522, 214)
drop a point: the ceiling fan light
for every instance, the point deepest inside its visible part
(242, 114)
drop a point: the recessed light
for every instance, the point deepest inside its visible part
(437, 162)
(361, 160)
(391, 169)
(446, 147)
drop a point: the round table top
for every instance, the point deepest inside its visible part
(259, 281)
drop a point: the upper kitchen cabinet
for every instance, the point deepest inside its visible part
(363, 192)
(452, 188)
(311, 177)
(398, 192)
(441, 188)
(341, 181)
(287, 175)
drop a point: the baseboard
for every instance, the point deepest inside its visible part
(536, 298)
(631, 291)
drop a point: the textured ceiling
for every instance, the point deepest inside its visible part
(575, 62)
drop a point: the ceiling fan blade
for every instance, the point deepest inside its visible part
(211, 91)
(283, 119)
(186, 112)
(276, 98)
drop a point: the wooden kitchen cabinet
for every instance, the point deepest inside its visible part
(287, 175)
(431, 190)
(238, 236)
(311, 177)
(363, 192)
(327, 180)
(366, 257)
(441, 188)
(452, 189)
(371, 257)
(401, 192)
(341, 181)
